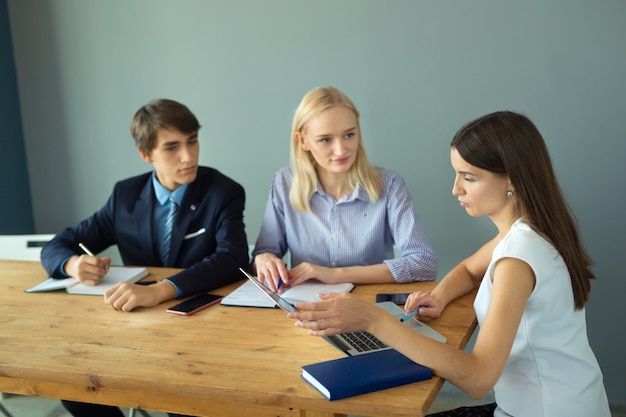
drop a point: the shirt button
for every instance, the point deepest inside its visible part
(333, 264)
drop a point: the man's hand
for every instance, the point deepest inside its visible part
(127, 297)
(87, 269)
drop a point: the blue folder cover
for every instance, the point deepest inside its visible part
(355, 375)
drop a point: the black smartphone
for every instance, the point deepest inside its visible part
(194, 304)
(394, 298)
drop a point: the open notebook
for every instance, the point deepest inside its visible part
(247, 295)
(116, 275)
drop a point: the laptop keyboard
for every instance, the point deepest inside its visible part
(363, 341)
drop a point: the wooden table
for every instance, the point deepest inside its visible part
(222, 361)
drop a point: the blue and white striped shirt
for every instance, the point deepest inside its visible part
(350, 232)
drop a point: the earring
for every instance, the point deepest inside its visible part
(509, 194)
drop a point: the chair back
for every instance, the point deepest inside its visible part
(23, 247)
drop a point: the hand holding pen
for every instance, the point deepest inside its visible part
(88, 269)
(411, 314)
(422, 304)
(88, 252)
(272, 271)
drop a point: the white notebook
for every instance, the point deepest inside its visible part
(72, 286)
(248, 295)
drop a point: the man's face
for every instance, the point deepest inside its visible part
(175, 157)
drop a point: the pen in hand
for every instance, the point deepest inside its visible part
(280, 282)
(411, 314)
(84, 248)
(90, 253)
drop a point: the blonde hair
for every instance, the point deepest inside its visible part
(304, 175)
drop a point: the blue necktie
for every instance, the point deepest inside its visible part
(167, 231)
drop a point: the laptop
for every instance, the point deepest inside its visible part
(354, 343)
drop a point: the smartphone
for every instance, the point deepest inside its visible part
(194, 304)
(394, 298)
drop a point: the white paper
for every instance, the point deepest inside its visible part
(248, 295)
(115, 275)
(52, 284)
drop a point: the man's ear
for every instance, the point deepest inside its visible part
(144, 155)
(298, 138)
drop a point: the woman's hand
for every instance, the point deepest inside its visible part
(426, 302)
(306, 271)
(271, 270)
(336, 313)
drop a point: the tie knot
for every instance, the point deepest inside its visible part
(173, 204)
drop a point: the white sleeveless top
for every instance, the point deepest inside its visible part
(551, 371)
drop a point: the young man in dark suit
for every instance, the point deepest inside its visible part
(207, 234)
(202, 230)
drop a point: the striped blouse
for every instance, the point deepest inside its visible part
(350, 232)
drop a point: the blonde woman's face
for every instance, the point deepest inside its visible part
(332, 138)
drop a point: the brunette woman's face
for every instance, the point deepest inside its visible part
(479, 192)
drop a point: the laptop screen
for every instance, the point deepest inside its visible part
(280, 302)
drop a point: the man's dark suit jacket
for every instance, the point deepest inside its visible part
(208, 237)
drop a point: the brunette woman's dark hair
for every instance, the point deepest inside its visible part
(508, 143)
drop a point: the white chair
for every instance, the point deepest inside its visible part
(21, 248)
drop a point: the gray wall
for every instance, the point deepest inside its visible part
(416, 69)
(16, 212)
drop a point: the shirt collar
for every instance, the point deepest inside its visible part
(163, 194)
(358, 193)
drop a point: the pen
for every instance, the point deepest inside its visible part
(411, 314)
(90, 253)
(145, 282)
(84, 248)
(280, 281)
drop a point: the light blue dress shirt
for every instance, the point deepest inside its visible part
(350, 232)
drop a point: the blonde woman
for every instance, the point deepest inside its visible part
(338, 216)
